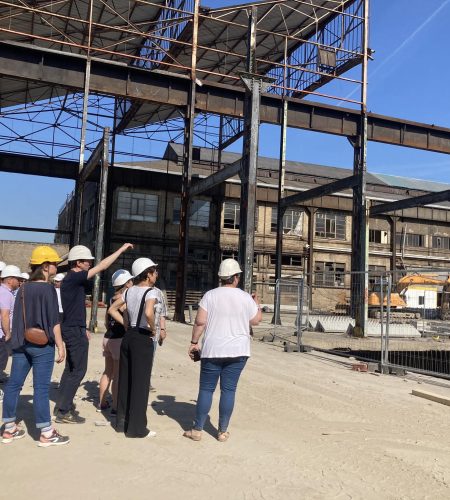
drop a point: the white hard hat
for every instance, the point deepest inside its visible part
(11, 272)
(2, 265)
(228, 268)
(59, 277)
(25, 276)
(120, 277)
(80, 252)
(141, 264)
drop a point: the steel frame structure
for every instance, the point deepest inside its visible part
(76, 67)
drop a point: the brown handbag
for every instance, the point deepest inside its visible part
(32, 335)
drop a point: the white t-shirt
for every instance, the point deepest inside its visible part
(133, 299)
(227, 332)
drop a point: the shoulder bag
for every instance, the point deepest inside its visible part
(137, 328)
(32, 335)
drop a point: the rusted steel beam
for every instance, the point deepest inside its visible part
(67, 70)
(416, 201)
(34, 165)
(325, 189)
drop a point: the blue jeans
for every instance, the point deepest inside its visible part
(41, 359)
(229, 371)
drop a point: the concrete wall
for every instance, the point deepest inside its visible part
(19, 252)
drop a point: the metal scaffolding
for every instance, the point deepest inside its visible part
(71, 69)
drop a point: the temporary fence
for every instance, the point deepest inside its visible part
(406, 317)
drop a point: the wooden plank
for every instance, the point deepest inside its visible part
(437, 398)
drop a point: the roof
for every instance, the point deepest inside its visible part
(283, 26)
(159, 35)
(299, 175)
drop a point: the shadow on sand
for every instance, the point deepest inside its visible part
(181, 412)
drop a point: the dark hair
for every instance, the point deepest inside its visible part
(143, 276)
(37, 272)
(228, 281)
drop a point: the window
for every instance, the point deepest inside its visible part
(329, 274)
(292, 221)
(330, 225)
(374, 236)
(375, 275)
(229, 254)
(411, 239)
(287, 260)
(442, 242)
(232, 213)
(233, 254)
(199, 212)
(198, 254)
(137, 206)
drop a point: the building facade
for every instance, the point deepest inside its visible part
(316, 235)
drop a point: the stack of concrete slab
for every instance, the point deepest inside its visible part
(334, 324)
(405, 330)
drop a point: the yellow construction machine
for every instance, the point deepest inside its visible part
(398, 301)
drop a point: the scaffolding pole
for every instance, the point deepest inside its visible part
(101, 219)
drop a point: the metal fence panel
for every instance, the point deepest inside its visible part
(407, 319)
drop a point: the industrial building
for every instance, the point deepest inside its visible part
(317, 235)
(84, 83)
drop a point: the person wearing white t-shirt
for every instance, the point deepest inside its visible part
(136, 351)
(224, 317)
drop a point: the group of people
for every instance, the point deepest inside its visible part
(135, 324)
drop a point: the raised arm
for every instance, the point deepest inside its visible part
(258, 316)
(107, 261)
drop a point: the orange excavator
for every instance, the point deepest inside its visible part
(397, 300)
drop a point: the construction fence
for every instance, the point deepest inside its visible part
(406, 321)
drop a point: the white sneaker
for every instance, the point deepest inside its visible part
(151, 434)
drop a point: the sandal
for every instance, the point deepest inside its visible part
(223, 436)
(193, 434)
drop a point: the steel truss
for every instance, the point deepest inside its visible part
(159, 70)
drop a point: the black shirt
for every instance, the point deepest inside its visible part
(41, 307)
(73, 298)
(115, 330)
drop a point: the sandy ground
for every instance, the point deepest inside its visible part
(305, 426)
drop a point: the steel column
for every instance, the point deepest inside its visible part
(79, 184)
(281, 210)
(309, 253)
(101, 216)
(254, 85)
(360, 244)
(393, 224)
(186, 180)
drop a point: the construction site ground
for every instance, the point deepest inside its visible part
(305, 426)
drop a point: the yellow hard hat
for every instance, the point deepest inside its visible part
(44, 253)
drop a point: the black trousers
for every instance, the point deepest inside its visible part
(77, 349)
(3, 355)
(136, 360)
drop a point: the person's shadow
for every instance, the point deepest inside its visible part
(25, 416)
(183, 413)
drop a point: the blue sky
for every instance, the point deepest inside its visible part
(409, 79)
